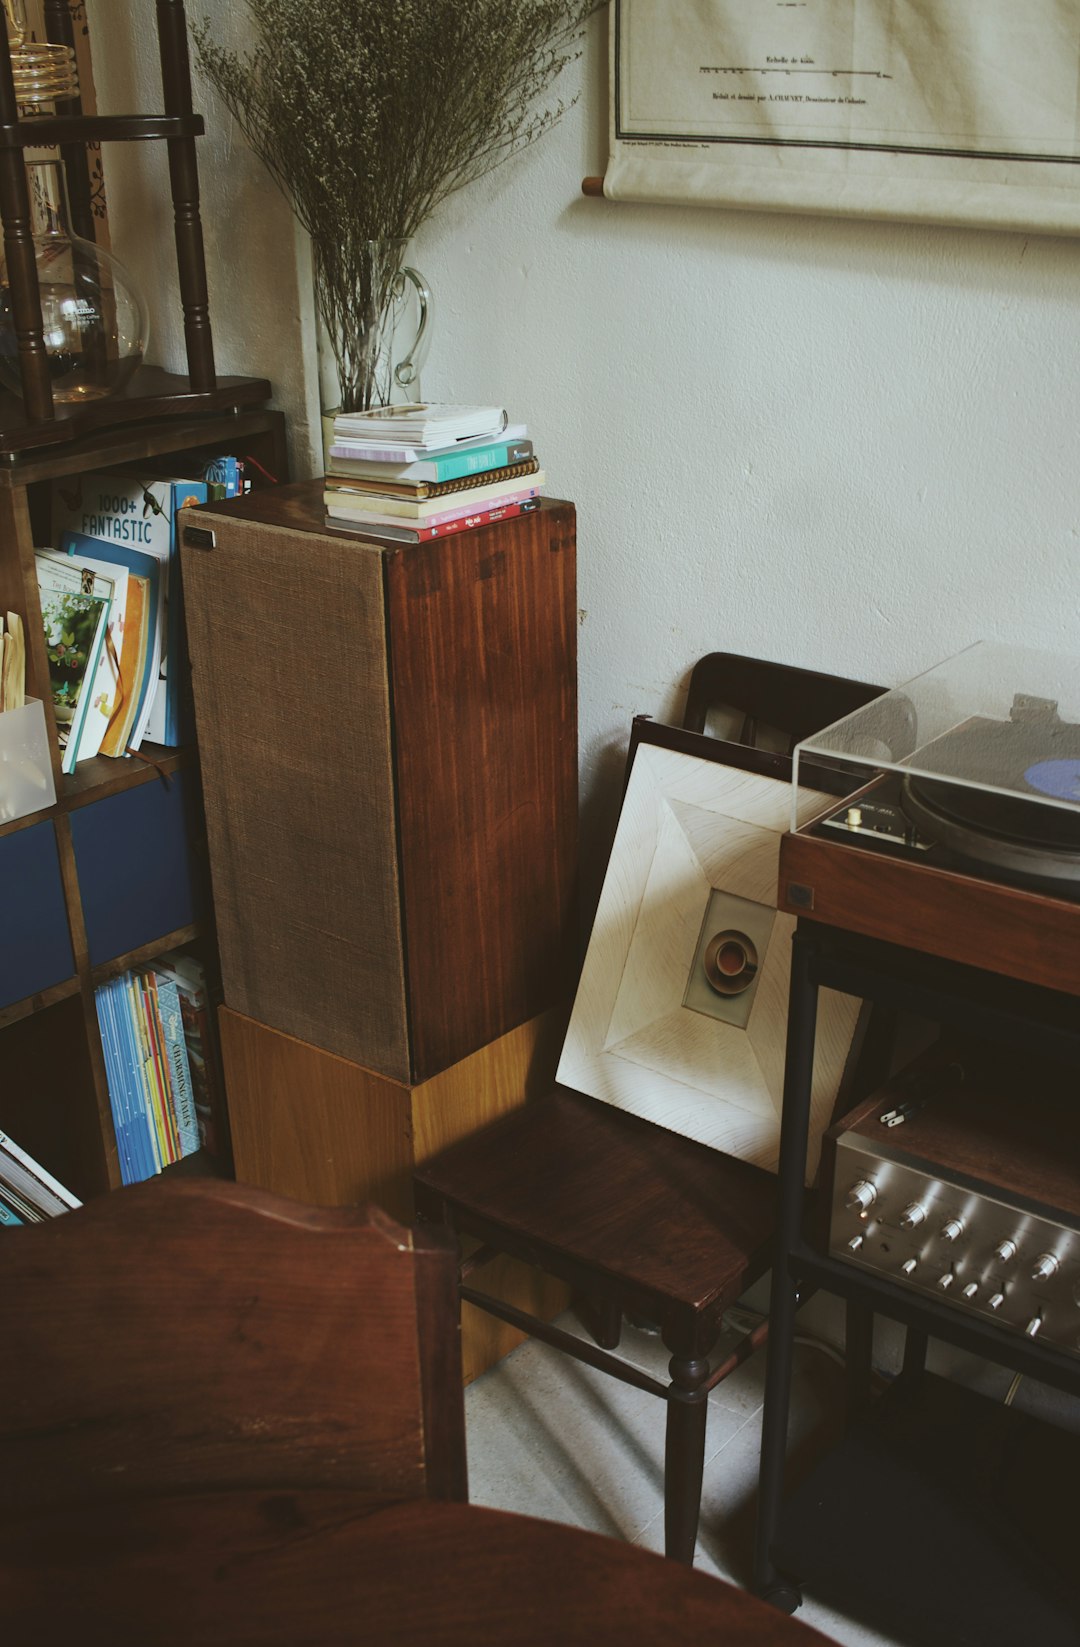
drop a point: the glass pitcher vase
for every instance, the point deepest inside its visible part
(93, 321)
(374, 310)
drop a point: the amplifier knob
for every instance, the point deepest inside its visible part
(953, 1230)
(861, 1195)
(1005, 1251)
(909, 1266)
(996, 1302)
(971, 1289)
(946, 1280)
(912, 1216)
(1033, 1326)
(1046, 1266)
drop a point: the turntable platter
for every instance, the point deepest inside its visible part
(1030, 757)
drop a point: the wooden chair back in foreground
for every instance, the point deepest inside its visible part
(203, 1335)
(793, 702)
(639, 1221)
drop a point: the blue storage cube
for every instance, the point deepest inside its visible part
(35, 944)
(134, 856)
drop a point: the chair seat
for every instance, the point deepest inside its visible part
(594, 1193)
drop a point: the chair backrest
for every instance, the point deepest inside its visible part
(794, 702)
(205, 1335)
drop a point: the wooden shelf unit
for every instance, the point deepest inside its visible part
(69, 129)
(53, 1092)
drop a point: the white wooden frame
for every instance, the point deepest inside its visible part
(689, 825)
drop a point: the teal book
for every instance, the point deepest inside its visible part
(440, 466)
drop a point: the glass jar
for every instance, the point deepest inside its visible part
(93, 321)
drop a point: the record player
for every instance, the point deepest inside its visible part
(959, 831)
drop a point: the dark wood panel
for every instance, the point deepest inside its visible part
(1014, 1121)
(482, 656)
(48, 1095)
(152, 393)
(224, 430)
(288, 653)
(98, 128)
(200, 1334)
(273, 1569)
(1002, 929)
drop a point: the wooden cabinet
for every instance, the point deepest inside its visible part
(389, 748)
(115, 871)
(389, 758)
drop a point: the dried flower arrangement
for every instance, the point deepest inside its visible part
(369, 113)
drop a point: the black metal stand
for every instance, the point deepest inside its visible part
(1012, 1012)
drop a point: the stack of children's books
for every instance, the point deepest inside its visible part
(156, 1035)
(406, 474)
(112, 606)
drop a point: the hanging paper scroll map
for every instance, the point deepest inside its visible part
(939, 110)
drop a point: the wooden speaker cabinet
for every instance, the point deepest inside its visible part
(389, 760)
(389, 757)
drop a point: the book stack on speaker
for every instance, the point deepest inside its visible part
(407, 474)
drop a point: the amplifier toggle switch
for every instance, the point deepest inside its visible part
(1005, 1251)
(861, 1195)
(912, 1216)
(1033, 1326)
(953, 1230)
(1046, 1267)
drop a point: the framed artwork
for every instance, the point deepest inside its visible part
(944, 111)
(681, 1012)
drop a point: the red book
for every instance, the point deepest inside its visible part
(419, 533)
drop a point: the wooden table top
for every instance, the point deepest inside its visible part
(309, 1568)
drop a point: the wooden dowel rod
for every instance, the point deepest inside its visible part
(593, 186)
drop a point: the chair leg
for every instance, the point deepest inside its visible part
(684, 1461)
(603, 1319)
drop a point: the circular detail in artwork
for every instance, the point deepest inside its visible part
(730, 962)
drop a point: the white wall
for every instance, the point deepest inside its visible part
(846, 445)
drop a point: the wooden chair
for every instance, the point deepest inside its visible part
(778, 696)
(203, 1336)
(637, 1220)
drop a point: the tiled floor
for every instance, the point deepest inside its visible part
(549, 1437)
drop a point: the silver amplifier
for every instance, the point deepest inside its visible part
(977, 1207)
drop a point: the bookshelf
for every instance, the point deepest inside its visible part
(113, 873)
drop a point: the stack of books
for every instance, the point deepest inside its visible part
(154, 1024)
(28, 1194)
(112, 607)
(406, 474)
